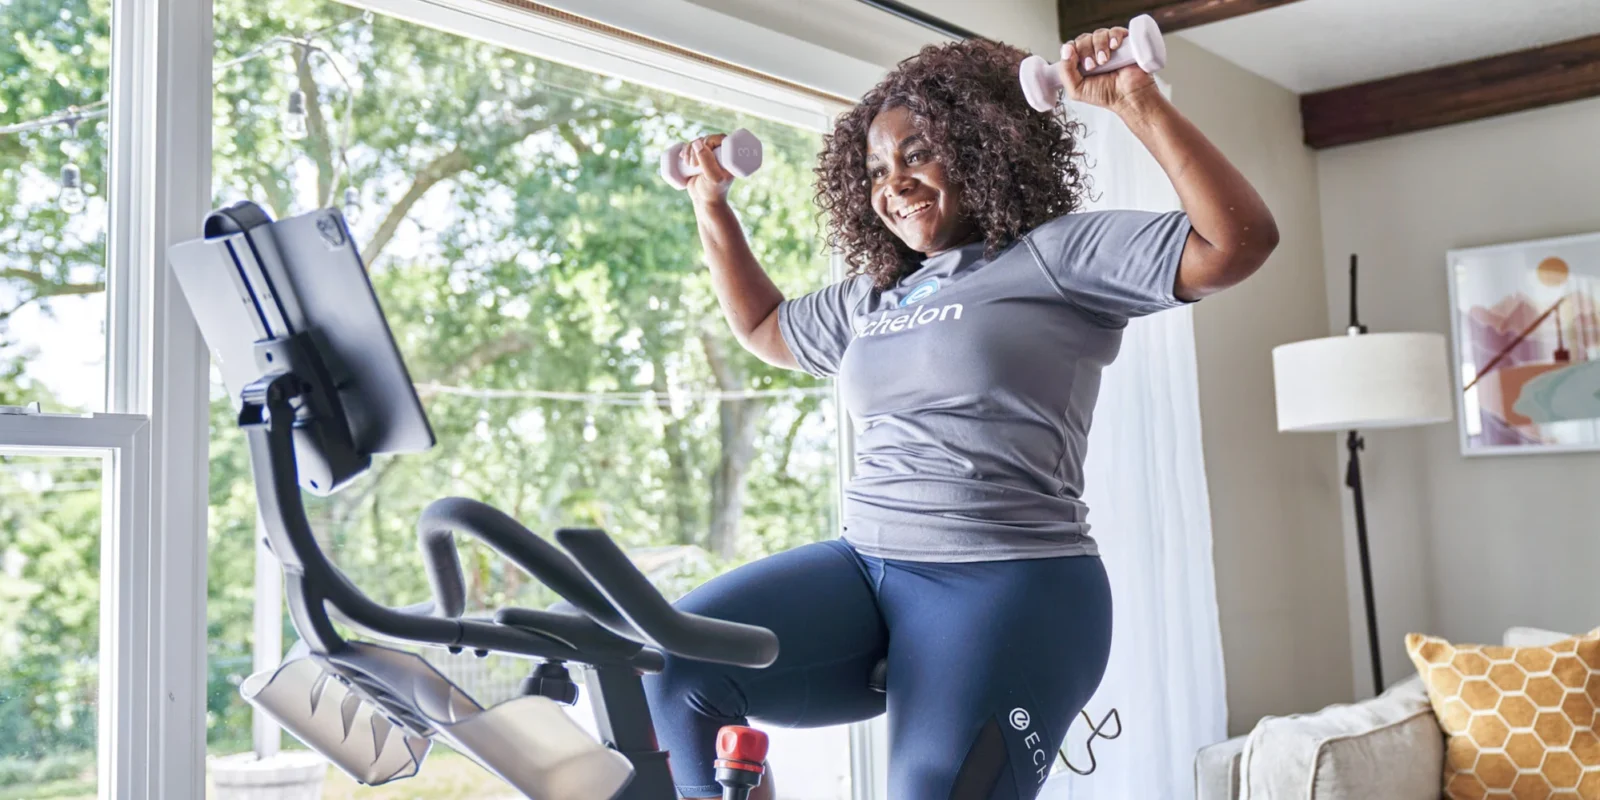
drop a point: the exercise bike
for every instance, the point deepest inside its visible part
(291, 318)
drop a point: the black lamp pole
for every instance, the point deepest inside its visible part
(1352, 478)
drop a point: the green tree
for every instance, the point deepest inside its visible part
(55, 58)
(49, 604)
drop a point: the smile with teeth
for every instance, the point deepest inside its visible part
(908, 211)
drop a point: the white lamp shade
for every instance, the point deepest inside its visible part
(1372, 380)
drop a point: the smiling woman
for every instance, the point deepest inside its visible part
(970, 341)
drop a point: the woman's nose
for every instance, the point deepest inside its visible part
(901, 181)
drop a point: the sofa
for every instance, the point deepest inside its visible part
(1388, 747)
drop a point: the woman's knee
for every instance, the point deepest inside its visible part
(693, 686)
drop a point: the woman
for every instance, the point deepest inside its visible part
(968, 342)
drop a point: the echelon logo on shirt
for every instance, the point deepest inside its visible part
(927, 315)
(892, 322)
(920, 292)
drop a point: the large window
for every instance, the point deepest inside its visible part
(56, 503)
(546, 289)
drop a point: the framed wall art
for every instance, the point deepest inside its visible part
(1525, 322)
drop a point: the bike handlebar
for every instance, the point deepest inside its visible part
(665, 627)
(535, 556)
(597, 578)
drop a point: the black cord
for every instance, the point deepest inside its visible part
(1095, 732)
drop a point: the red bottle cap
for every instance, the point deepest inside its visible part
(737, 743)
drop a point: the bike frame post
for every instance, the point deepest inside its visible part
(616, 695)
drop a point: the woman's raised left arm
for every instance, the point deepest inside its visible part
(1232, 231)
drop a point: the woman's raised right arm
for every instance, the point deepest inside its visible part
(748, 297)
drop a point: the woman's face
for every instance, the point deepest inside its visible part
(909, 190)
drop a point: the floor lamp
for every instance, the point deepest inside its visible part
(1360, 381)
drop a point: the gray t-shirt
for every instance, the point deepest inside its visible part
(971, 383)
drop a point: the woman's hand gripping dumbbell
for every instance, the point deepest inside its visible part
(718, 159)
(1140, 44)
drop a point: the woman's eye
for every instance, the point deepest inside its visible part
(916, 157)
(875, 173)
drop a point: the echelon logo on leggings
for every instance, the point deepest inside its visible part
(1021, 720)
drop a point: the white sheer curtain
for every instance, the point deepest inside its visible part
(1145, 484)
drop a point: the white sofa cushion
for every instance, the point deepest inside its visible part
(1387, 747)
(1532, 637)
(1216, 770)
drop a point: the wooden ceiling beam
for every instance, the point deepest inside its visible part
(1083, 16)
(1464, 92)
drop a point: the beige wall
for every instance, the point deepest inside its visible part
(1466, 547)
(1275, 497)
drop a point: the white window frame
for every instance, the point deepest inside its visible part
(584, 48)
(151, 726)
(159, 367)
(698, 27)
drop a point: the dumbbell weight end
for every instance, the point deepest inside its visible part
(739, 153)
(1145, 48)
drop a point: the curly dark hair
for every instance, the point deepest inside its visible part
(1014, 168)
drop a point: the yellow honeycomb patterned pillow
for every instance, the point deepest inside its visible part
(1521, 721)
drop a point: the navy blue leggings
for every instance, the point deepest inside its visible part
(989, 663)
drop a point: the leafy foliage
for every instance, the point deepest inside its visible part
(521, 245)
(49, 604)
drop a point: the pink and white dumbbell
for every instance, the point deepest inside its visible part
(1041, 83)
(739, 153)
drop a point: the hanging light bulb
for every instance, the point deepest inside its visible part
(590, 432)
(352, 205)
(294, 116)
(71, 199)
